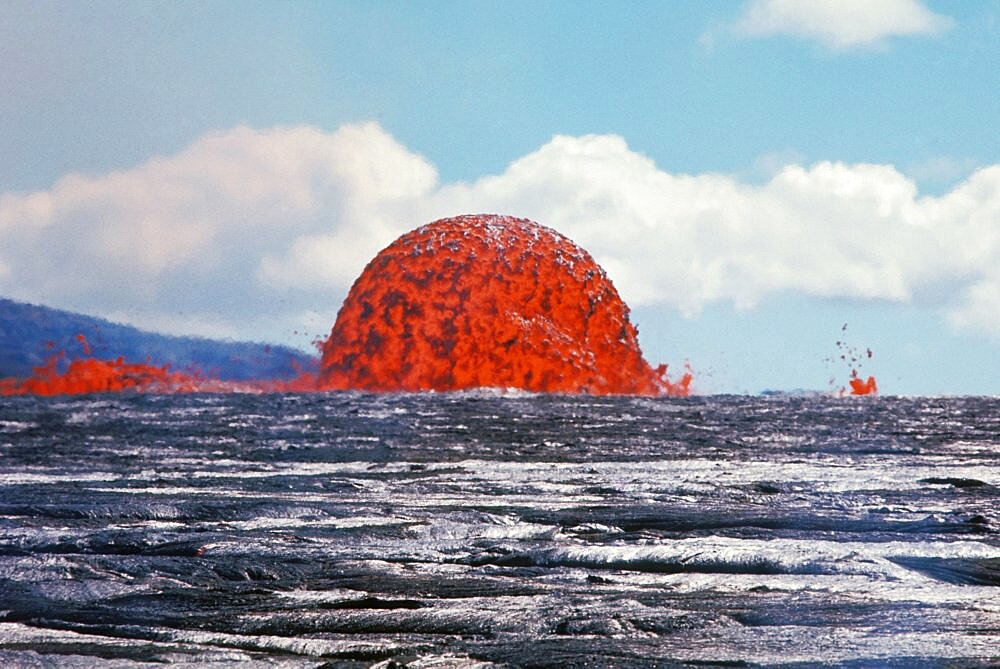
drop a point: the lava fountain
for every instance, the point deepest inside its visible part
(464, 302)
(487, 301)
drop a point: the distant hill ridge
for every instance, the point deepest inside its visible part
(25, 330)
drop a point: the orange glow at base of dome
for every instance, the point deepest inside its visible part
(488, 301)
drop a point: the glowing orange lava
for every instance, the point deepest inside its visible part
(89, 375)
(859, 387)
(465, 302)
(487, 301)
(84, 375)
(854, 357)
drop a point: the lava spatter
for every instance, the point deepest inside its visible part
(90, 375)
(862, 387)
(65, 375)
(853, 357)
(487, 301)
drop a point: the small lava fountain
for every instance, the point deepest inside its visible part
(854, 357)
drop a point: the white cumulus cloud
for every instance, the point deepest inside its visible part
(200, 235)
(245, 231)
(840, 24)
(828, 230)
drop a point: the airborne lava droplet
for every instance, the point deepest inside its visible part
(487, 301)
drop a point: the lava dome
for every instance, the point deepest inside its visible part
(487, 301)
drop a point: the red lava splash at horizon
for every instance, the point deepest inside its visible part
(853, 357)
(90, 375)
(859, 387)
(83, 375)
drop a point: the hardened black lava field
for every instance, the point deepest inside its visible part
(485, 529)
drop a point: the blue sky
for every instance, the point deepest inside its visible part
(751, 174)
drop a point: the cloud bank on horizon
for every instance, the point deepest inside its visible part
(250, 232)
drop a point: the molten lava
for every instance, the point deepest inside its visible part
(89, 375)
(487, 301)
(465, 302)
(85, 374)
(859, 387)
(853, 357)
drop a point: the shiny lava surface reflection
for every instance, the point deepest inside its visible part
(474, 529)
